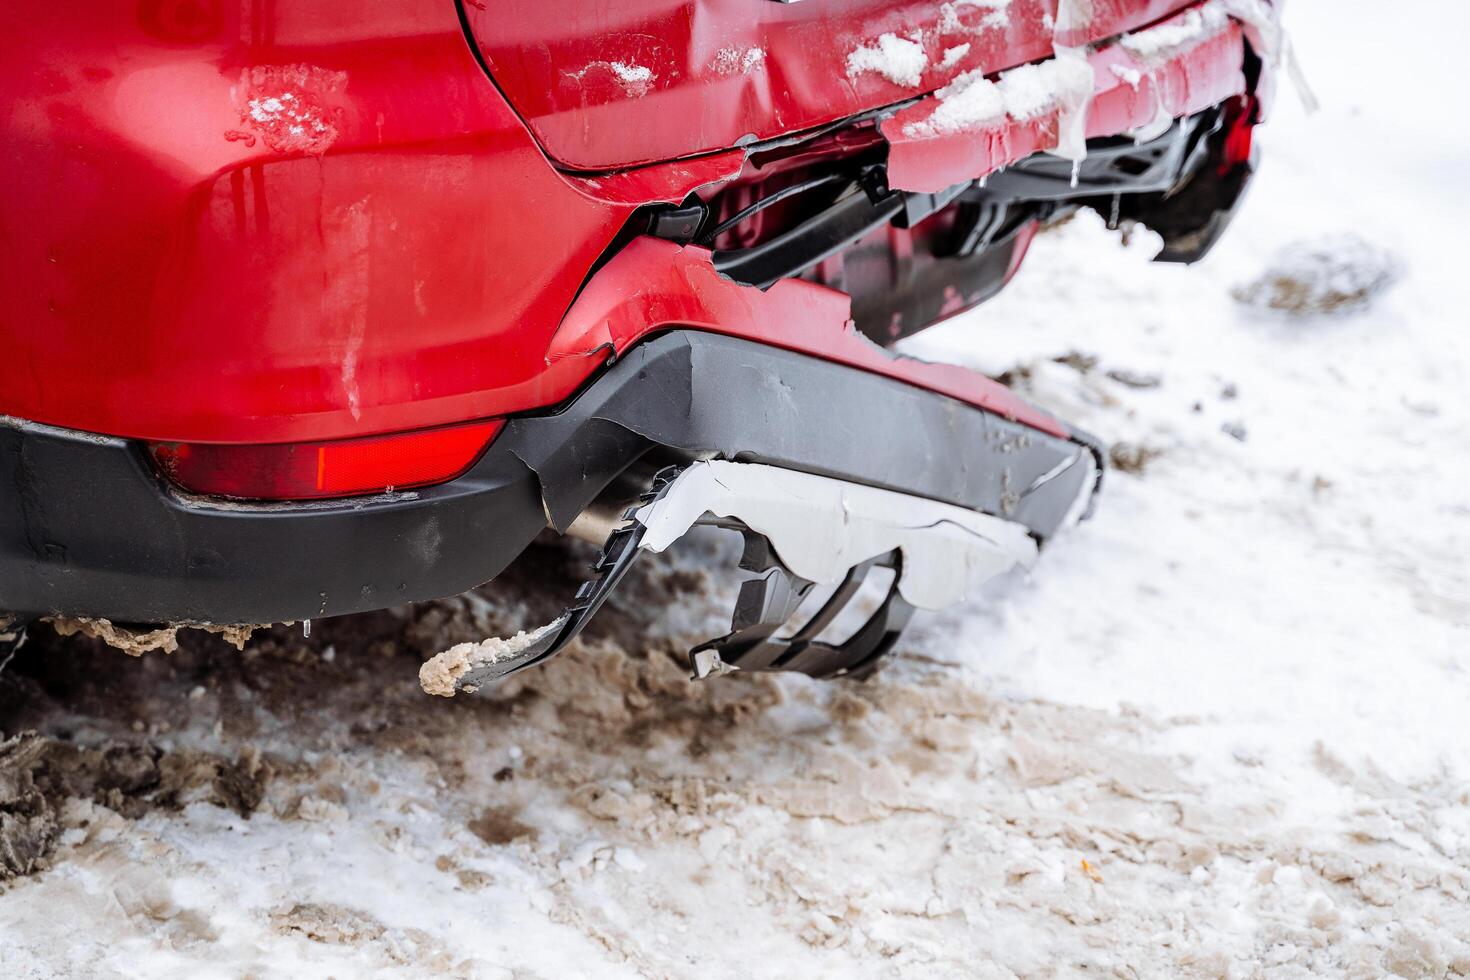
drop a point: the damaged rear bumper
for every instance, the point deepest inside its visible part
(89, 529)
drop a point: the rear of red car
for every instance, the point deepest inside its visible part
(311, 308)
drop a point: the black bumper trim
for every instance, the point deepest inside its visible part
(88, 529)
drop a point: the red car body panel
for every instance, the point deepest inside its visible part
(604, 85)
(305, 220)
(653, 284)
(180, 269)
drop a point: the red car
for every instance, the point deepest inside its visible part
(312, 307)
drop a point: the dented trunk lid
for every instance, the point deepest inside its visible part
(608, 84)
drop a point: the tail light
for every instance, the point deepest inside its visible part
(1240, 125)
(335, 468)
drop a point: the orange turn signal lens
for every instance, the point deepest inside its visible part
(334, 468)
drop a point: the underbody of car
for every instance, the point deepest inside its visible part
(309, 312)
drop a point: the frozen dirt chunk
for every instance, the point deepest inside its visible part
(440, 675)
(28, 824)
(1329, 275)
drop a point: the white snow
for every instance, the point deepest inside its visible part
(971, 101)
(949, 20)
(1219, 732)
(1179, 34)
(900, 60)
(1033, 90)
(954, 55)
(968, 102)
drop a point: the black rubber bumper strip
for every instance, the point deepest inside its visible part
(87, 528)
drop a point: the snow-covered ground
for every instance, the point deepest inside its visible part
(1222, 730)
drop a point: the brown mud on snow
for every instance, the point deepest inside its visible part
(1328, 276)
(915, 825)
(38, 774)
(352, 681)
(27, 819)
(1132, 457)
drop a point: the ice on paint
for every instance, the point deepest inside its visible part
(950, 22)
(999, 15)
(732, 61)
(1130, 76)
(635, 80)
(1073, 15)
(632, 76)
(1158, 125)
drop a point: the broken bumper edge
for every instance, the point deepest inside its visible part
(88, 529)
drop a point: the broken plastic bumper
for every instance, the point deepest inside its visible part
(801, 531)
(87, 528)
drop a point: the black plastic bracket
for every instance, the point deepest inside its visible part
(616, 558)
(768, 601)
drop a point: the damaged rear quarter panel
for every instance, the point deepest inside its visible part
(608, 85)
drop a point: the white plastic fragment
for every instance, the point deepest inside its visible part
(821, 527)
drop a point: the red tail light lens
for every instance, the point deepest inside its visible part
(336, 468)
(1240, 125)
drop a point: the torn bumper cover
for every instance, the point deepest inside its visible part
(89, 528)
(802, 531)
